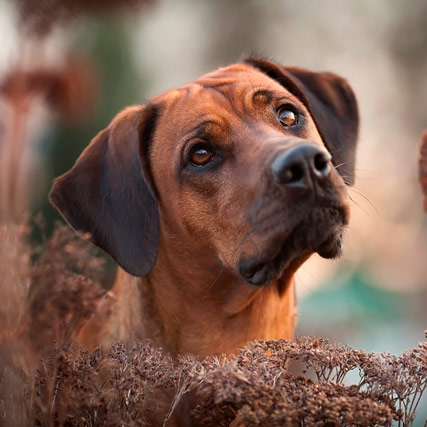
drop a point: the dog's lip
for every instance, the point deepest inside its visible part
(254, 273)
(260, 271)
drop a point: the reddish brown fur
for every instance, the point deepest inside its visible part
(192, 300)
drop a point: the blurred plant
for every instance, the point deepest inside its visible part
(46, 300)
(40, 17)
(423, 167)
(69, 90)
(46, 292)
(408, 45)
(64, 288)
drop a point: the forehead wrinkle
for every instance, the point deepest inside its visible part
(236, 89)
(234, 95)
(215, 85)
(225, 92)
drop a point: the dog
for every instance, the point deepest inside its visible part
(209, 197)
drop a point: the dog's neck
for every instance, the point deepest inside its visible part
(189, 305)
(192, 305)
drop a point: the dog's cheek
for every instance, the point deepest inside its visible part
(197, 218)
(232, 229)
(215, 226)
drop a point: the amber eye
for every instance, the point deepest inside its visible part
(287, 117)
(201, 155)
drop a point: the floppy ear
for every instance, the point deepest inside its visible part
(332, 104)
(107, 192)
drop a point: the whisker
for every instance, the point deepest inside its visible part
(366, 198)
(363, 177)
(341, 164)
(366, 170)
(306, 271)
(356, 175)
(360, 207)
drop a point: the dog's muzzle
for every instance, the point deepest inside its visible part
(303, 214)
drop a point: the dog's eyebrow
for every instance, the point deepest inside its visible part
(200, 128)
(263, 93)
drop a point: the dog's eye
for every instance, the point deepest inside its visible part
(287, 117)
(201, 155)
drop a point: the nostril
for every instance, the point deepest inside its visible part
(293, 173)
(322, 166)
(289, 173)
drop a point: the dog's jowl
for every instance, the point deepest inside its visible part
(210, 196)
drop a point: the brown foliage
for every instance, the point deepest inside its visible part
(64, 291)
(46, 379)
(256, 386)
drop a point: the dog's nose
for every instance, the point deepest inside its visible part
(301, 166)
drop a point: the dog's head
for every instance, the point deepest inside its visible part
(248, 164)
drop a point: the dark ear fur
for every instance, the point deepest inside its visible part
(107, 193)
(332, 104)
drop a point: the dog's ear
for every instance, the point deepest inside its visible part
(108, 193)
(332, 104)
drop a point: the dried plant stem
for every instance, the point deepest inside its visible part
(422, 165)
(184, 386)
(13, 195)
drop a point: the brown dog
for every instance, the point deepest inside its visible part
(210, 196)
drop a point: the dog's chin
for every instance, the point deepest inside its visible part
(332, 247)
(320, 232)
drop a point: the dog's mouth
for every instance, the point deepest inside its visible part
(320, 231)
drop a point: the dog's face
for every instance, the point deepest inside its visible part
(238, 164)
(212, 170)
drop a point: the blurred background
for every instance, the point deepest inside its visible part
(67, 67)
